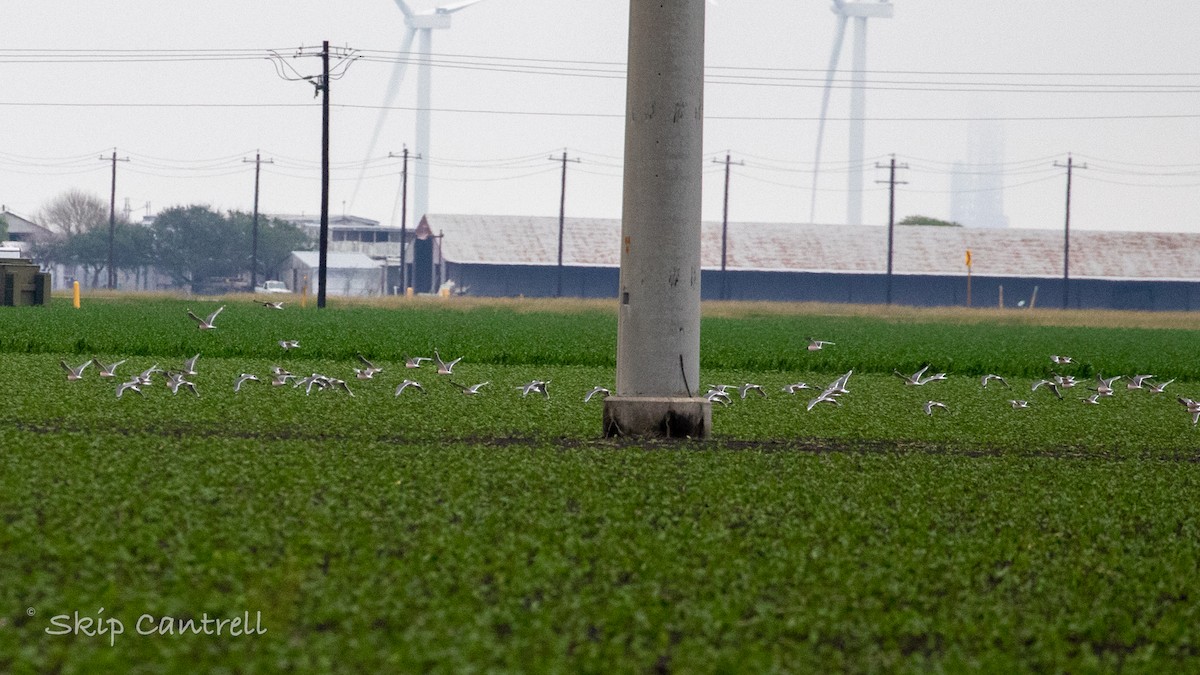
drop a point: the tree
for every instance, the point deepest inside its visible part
(131, 249)
(75, 212)
(195, 243)
(276, 241)
(926, 220)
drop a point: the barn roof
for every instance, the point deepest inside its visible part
(337, 260)
(532, 240)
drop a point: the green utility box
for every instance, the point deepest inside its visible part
(22, 283)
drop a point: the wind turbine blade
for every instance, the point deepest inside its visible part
(389, 96)
(833, 60)
(404, 8)
(454, 7)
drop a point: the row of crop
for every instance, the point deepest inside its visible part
(462, 557)
(503, 336)
(880, 408)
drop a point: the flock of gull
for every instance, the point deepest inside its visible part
(723, 394)
(177, 378)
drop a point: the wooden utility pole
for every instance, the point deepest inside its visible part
(892, 183)
(403, 215)
(112, 220)
(562, 214)
(258, 161)
(1069, 166)
(323, 261)
(725, 225)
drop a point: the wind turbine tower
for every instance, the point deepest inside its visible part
(860, 11)
(419, 25)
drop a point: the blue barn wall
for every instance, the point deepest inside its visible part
(491, 280)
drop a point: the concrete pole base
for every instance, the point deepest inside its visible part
(657, 416)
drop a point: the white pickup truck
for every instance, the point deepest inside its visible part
(272, 287)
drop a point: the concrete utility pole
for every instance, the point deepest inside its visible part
(658, 321)
(892, 183)
(562, 215)
(1069, 166)
(403, 217)
(112, 220)
(725, 225)
(258, 162)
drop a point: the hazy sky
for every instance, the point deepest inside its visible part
(1116, 83)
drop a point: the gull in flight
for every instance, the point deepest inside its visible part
(825, 397)
(930, 405)
(795, 387)
(1061, 360)
(289, 344)
(445, 368)
(242, 379)
(414, 361)
(280, 376)
(593, 392)
(144, 377)
(991, 377)
(1017, 403)
(1193, 408)
(175, 380)
(317, 380)
(471, 390)
(1052, 384)
(718, 396)
(1104, 385)
(1137, 381)
(409, 383)
(1158, 388)
(536, 386)
(749, 387)
(189, 365)
(368, 371)
(135, 385)
(915, 378)
(74, 373)
(107, 369)
(272, 305)
(206, 324)
(816, 345)
(1094, 399)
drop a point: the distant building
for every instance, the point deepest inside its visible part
(517, 255)
(352, 274)
(23, 230)
(355, 234)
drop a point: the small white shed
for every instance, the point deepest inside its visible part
(345, 273)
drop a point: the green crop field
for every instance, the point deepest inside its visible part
(351, 529)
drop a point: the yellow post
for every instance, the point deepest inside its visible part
(408, 292)
(75, 294)
(304, 293)
(968, 277)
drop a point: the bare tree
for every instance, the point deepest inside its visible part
(74, 212)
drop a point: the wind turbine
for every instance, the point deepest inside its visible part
(419, 25)
(860, 11)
